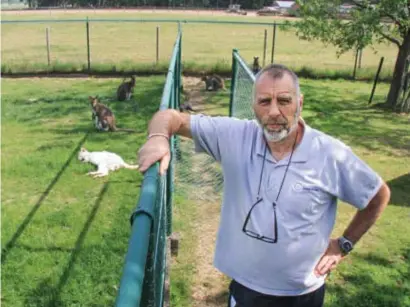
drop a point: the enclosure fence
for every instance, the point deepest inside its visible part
(240, 104)
(143, 279)
(97, 45)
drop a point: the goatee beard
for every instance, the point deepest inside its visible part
(272, 136)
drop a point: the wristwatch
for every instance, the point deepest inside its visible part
(345, 245)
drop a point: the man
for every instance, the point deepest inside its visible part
(282, 180)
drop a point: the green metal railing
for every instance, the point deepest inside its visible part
(143, 279)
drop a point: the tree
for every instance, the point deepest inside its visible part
(359, 25)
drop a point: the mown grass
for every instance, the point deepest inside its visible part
(377, 273)
(65, 234)
(131, 46)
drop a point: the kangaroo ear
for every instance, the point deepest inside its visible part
(91, 98)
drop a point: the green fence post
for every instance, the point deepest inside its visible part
(273, 43)
(88, 45)
(180, 69)
(376, 79)
(234, 51)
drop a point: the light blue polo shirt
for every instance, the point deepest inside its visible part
(322, 170)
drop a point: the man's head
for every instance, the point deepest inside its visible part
(277, 101)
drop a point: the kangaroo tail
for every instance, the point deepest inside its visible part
(116, 129)
(125, 130)
(131, 166)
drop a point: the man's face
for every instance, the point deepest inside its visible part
(276, 106)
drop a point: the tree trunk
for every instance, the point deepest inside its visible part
(393, 98)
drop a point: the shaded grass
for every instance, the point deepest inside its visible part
(64, 234)
(130, 46)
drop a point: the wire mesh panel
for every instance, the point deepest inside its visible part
(242, 89)
(198, 176)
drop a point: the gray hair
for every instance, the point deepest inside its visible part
(277, 71)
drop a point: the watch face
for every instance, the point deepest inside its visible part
(347, 246)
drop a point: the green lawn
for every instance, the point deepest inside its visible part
(128, 45)
(65, 234)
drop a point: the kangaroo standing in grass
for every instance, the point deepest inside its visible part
(126, 89)
(213, 83)
(103, 116)
(256, 67)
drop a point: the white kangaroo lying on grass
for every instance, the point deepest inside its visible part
(104, 160)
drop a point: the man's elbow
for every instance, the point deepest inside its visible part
(386, 193)
(381, 199)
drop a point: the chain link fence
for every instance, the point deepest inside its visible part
(144, 45)
(198, 176)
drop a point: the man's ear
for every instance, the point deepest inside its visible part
(301, 102)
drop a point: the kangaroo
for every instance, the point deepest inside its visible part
(186, 107)
(126, 89)
(213, 83)
(103, 117)
(256, 67)
(104, 160)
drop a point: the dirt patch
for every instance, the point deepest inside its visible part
(204, 178)
(192, 92)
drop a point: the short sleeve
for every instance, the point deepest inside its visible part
(214, 134)
(349, 178)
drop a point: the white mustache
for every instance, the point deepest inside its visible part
(275, 123)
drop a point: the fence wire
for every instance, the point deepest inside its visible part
(198, 177)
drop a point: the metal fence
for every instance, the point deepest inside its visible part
(143, 280)
(241, 88)
(144, 44)
(144, 273)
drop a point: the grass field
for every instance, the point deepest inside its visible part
(125, 46)
(65, 235)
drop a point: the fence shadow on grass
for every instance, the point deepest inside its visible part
(48, 295)
(11, 243)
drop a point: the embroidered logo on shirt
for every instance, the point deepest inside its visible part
(298, 187)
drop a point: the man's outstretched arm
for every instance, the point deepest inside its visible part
(170, 122)
(162, 125)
